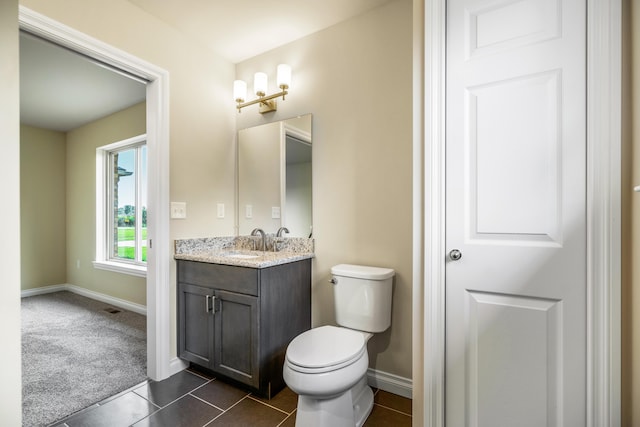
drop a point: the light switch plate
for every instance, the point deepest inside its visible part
(275, 212)
(248, 211)
(220, 210)
(178, 210)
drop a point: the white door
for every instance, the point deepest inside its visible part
(516, 212)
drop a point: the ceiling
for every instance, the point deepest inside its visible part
(240, 29)
(61, 90)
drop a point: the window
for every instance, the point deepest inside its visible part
(121, 206)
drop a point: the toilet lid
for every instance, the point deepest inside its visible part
(325, 347)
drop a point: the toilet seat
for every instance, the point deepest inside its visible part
(325, 349)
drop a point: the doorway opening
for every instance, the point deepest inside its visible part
(159, 365)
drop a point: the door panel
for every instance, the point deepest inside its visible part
(514, 149)
(501, 25)
(196, 324)
(513, 342)
(516, 209)
(237, 336)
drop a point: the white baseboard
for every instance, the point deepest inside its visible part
(43, 290)
(117, 302)
(391, 383)
(176, 365)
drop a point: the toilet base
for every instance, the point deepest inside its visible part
(348, 409)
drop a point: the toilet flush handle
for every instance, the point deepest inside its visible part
(333, 281)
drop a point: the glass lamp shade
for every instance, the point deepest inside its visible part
(284, 76)
(239, 90)
(260, 84)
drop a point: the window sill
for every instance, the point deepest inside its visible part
(121, 267)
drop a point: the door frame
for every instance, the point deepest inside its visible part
(159, 363)
(604, 80)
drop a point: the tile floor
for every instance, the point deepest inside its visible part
(194, 399)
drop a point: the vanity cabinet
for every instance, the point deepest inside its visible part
(238, 321)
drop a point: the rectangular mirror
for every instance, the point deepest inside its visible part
(274, 177)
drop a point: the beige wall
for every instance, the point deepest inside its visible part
(58, 196)
(362, 139)
(43, 228)
(81, 204)
(201, 109)
(631, 216)
(356, 80)
(10, 363)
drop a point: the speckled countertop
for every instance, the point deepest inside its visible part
(239, 251)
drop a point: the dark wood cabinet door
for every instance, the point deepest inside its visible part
(237, 337)
(195, 324)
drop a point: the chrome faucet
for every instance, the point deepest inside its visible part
(278, 238)
(281, 230)
(257, 231)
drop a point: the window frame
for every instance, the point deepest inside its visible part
(104, 211)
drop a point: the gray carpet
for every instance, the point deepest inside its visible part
(75, 354)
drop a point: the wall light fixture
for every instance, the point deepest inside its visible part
(267, 102)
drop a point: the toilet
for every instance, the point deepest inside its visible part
(327, 366)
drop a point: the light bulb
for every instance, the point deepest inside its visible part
(239, 90)
(284, 76)
(260, 84)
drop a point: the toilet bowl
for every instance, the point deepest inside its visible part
(327, 366)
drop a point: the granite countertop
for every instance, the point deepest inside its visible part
(239, 251)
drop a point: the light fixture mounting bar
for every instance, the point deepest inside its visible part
(266, 103)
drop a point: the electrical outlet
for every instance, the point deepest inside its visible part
(178, 210)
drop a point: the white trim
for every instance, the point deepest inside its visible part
(603, 210)
(176, 365)
(134, 140)
(432, 320)
(604, 118)
(121, 267)
(295, 132)
(418, 327)
(389, 382)
(108, 299)
(159, 252)
(104, 212)
(25, 293)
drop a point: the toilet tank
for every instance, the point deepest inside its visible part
(362, 296)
